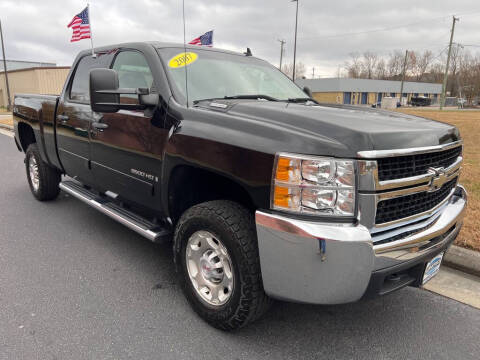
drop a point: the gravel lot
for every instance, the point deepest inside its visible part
(76, 285)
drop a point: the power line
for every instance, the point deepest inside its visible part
(440, 53)
(375, 30)
(389, 28)
(475, 13)
(386, 51)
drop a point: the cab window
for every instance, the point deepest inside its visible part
(79, 90)
(133, 72)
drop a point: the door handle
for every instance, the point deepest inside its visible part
(99, 126)
(62, 118)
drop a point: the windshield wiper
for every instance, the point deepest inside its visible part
(233, 97)
(299, 100)
(257, 96)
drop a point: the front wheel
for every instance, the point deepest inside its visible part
(216, 257)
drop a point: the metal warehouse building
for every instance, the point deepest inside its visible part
(31, 77)
(20, 64)
(366, 91)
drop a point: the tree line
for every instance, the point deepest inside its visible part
(463, 77)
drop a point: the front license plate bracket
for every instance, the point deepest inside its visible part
(432, 268)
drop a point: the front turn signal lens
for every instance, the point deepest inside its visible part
(286, 198)
(288, 170)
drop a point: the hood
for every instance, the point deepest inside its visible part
(348, 128)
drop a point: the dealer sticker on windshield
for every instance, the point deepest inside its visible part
(432, 268)
(183, 59)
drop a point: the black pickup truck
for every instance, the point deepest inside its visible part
(265, 193)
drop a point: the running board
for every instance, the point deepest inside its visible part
(142, 226)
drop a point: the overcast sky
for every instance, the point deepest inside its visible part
(327, 32)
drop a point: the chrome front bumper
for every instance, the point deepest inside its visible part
(333, 263)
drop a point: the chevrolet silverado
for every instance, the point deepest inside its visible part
(264, 193)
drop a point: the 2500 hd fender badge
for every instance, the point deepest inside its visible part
(144, 175)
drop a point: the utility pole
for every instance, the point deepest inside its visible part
(313, 72)
(9, 105)
(445, 77)
(403, 75)
(295, 45)
(282, 44)
(458, 79)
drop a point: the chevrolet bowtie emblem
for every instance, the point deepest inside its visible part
(438, 178)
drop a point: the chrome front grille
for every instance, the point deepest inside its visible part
(405, 206)
(394, 237)
(398, 188)
(400, 167)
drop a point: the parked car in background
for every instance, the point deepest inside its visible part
(420, 101)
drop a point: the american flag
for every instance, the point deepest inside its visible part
(205, 39)
(81, 26)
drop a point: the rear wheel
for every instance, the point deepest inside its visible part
(43, 179)
(216, 257)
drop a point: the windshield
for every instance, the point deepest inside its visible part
(213, 74)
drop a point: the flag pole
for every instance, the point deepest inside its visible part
(295, 46)
(91, 31)
(185, 51)
(9, 104)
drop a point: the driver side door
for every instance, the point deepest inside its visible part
(126, 153)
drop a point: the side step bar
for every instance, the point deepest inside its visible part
(142, 226)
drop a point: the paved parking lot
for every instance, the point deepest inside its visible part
(76, 285)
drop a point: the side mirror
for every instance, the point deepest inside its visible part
(100, 100)
(307, 91)
(105, 93)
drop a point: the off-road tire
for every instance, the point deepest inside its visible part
(234, 225)
(49, 178)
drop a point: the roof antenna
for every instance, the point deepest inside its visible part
(248, 52)
(185, 51)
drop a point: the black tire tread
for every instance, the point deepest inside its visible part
(253, 302)
(48, 176)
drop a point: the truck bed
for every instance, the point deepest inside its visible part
(39, 112)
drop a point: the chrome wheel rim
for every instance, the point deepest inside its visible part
(33, 173)
(209, 268)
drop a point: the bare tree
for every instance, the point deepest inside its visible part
(340, 73)
(370, 60)
(354, 65)
(452, 84)
(300, 70)
(395, 64)
(435, 72)
(381, 70)
(422, 64)
(468, 76)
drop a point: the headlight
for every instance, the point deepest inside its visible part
(314, 185)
